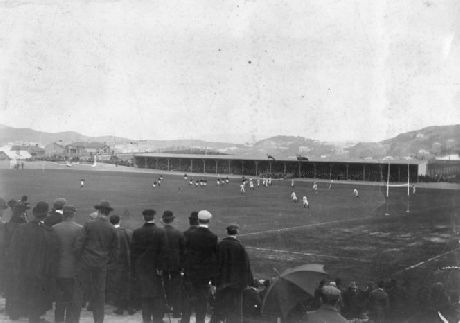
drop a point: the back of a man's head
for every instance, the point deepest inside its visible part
(330, 295)
(193, 218)
(149, 215)
(114, 219)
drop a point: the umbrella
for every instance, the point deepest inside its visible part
(291, 287)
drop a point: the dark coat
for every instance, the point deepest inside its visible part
(201, 255)
(119, 271)
(97, 244)
(234, 270)
(34, 256)
(173, 249)
(53, 218)
(147, 257)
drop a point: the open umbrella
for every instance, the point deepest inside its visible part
(291, 287)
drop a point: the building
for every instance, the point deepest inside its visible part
(34, 150)
(86, 149)
(55, 150)
(359, 170)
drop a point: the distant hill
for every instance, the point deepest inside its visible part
(10, 134)
(425, 143)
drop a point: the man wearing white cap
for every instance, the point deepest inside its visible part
(201, 265)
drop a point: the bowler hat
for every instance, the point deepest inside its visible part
(105, 205)
(193, 215)
(149, 212)
(40, 210)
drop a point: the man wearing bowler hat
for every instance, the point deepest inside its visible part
(233, 276)
(95, 247)
(146, 257)
(55, 215)
(201, 253)
(173, 262)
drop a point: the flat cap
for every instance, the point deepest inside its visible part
(167, 216)
(59, 203)
(103, 205)
(69, 210)
(330, 291)
(204, 215)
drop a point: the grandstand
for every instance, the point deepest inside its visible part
(357, 170)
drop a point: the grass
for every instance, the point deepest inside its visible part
(351, 236)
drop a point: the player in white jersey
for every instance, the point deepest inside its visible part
(292, 183)
(315, 187)
(258, 182)
(82, 183)
(251, 184)
(294, 197)
(330, 184)
(154, 184)
(355, 193)
(305, 202)
(242, 189)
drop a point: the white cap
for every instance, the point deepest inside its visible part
(204, 215)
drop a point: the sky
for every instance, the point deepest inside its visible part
(237, 71)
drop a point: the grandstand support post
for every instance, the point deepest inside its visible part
(300, 165)
(364, 172)
(191, 165)
(242, 167)
(270, 167)
(204, 165)
(408, 189)
(314, 170)
(145, 163)
(257, 163)
(229, 166)
(284, 168)
(399, 173)
(347, 166)
(156, 163)
(216, 166)
(168, 164)
(330, 171)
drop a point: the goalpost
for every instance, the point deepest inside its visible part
(388, 185)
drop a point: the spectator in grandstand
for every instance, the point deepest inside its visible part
(95, 247)
(233, 276)
(34, 254)
(201, 253)
(146, 256)
(329, 309)
(118, 290)
(379, 303)
(67, 294)
(173, 263)
(55, 215)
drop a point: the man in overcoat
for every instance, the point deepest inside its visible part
(119, 271)
(34, 254)
(200, 271)
(147, 257)
(233, 276)
(173, 263)
(95, 247)
(56, 214)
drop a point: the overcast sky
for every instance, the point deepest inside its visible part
(230, 70)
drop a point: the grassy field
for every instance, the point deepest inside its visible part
(351, 236)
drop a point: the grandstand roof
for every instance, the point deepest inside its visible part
(249, 158)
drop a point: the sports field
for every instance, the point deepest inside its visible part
(351, 236)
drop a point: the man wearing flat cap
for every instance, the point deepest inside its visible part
(67, 296)
(95, 247)
(329, 310)
(201, 253)
(146, 257)
(233, 276)
(34, 253)
(55, 215)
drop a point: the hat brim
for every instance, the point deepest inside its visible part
(103, 207)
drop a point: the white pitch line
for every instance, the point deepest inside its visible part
(421, 263)
(305, 226)
(304, 253)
